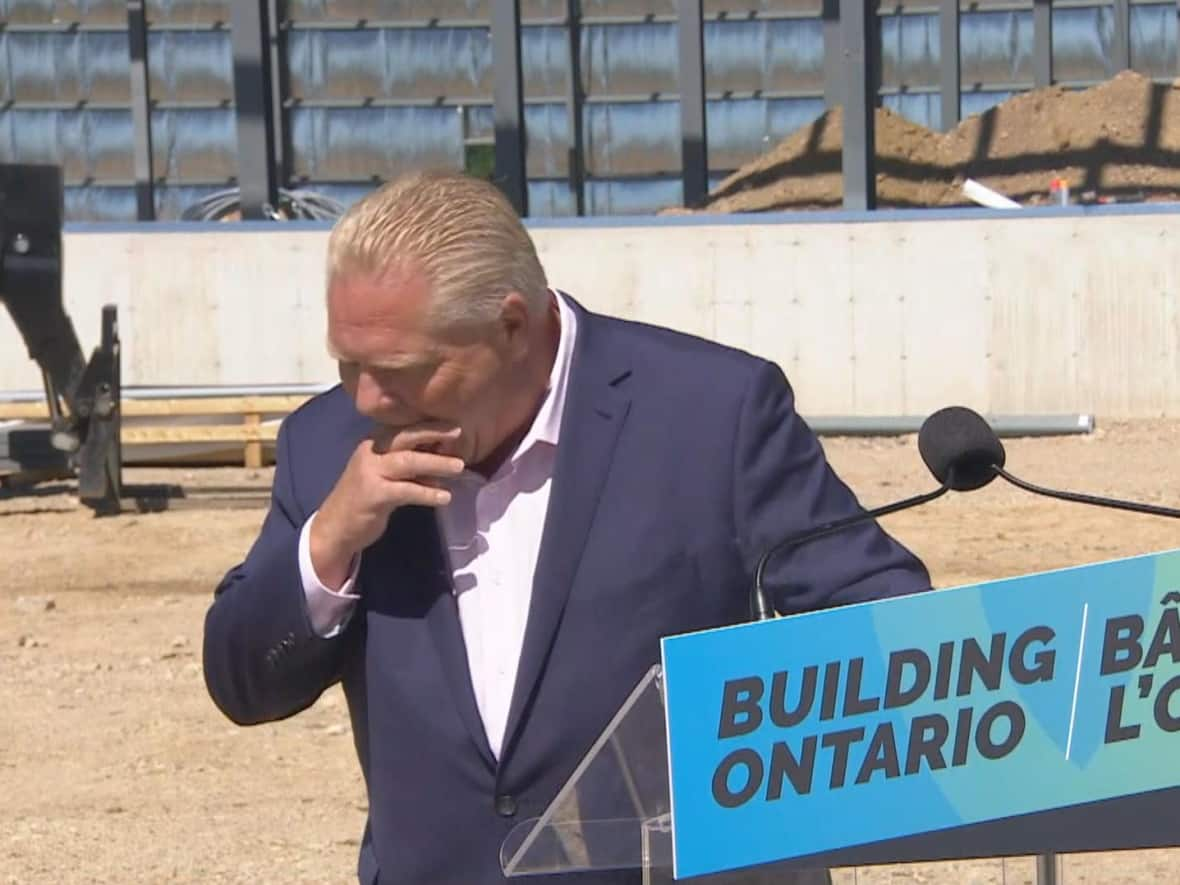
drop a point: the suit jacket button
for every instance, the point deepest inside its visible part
(505, 806)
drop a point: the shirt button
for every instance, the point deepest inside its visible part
(505, 806)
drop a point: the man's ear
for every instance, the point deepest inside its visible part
(514, 323)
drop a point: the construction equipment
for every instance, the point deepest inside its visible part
(82, 436)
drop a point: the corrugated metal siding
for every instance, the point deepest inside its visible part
(415, 12)
(377, 87)
(89, 144)
(342, 144)
(92, 67)
(102, 13)
(111, 13)
(64, 67)
(996, 49)
(191, 67)
(188, 12)
(617, 61)
(426, 64)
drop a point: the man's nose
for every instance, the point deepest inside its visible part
(371, 397)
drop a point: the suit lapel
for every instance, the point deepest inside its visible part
(427, 560)
(595, 410)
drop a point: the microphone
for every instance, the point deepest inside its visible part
(983, 460)
(960, 448)
(959, 452)
(963, 453)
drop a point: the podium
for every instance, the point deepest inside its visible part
(1012, 718)
(614, 812)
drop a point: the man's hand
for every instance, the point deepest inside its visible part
(394, 468)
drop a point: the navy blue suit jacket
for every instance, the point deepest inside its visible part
(680, 462)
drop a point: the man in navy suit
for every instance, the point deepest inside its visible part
(484, 531)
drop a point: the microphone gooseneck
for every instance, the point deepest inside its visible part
(960, 449)
(760, 607)
(960, 440)
(963, 453)
(1078, 498)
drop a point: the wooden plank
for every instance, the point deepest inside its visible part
(253, 450)
(23, 412)
(213, 405)
(156, 408)
(230, 433)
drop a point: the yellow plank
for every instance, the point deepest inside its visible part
(230, 433)
(149, 408)
(218, 405)
(23, 412)
(252, 456)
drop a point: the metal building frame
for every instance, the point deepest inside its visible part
(851, 79)
(141, 110)
(694, 153)
(254, 107)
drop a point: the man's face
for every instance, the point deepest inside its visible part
(401, 373)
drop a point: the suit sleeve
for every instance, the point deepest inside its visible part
(263, 660)
(783, 484)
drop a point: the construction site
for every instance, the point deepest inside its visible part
(141, 471)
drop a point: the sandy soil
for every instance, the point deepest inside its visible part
(1116, 141)
(115, 767)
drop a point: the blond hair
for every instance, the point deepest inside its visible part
(459, 231)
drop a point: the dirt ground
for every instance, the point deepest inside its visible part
(1117, 141)
(116, 768)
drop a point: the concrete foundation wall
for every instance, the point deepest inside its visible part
(1014, 314)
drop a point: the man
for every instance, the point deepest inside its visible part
(484, 531)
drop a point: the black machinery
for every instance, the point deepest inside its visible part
(82, 436)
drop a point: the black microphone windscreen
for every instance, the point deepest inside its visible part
(960, 448)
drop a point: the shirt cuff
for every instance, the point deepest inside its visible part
(327, 610)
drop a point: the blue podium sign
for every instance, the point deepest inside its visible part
(883, 720)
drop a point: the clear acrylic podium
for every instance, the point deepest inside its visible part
(614, 812)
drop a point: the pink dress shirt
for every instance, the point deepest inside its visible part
(492, 531)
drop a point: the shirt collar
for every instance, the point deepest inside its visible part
(546, 426)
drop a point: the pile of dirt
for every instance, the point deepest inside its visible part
(1118, 141)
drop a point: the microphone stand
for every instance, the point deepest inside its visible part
(1047, 863)
(760, 607)
(1075, 497)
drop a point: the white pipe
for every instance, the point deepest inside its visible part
(1003, 425)
(181, 392)
(985, 196)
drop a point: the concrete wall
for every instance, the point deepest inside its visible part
(1015, 313)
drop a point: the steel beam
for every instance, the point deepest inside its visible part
(833, 55)
(694, 154)
(1121, 49)
(857, 21)
(280, 88)
(253, 107)
(574, 100)
(949, 63)
(141, 111)
(1047, 869)
(508, 101)
(1043, 42)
